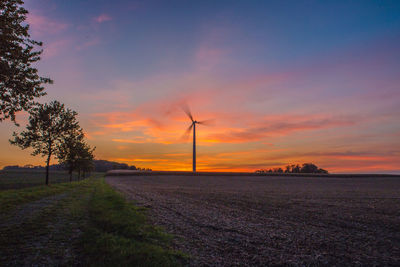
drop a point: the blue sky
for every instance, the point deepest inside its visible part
(286, 81)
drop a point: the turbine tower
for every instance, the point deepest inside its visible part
(193, 126)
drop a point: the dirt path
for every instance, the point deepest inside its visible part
(26, 211)
(40, 233)
(248, 221)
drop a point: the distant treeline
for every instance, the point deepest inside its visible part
(295, 168)
(99, 166)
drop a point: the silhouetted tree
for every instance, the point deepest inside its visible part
(306, 168)
(288, 169)
(84, 161)
(99, 166)
(312, 168)
(309, 168)
(48, 126)
(19, 80)
(292, 168)
(296, 168)
(69, 149)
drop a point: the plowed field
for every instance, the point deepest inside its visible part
(255, 220)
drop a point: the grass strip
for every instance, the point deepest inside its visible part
(10, 199)
(18, 179)
(118, 233)
(50, 235)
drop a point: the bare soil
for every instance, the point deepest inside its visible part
(254, 221)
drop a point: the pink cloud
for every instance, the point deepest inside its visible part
(102, 18)
(41, 25)
(54, 48)
(87, 44)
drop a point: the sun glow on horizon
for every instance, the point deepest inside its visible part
(281, 91)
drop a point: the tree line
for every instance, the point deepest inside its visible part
(295, 168)
(52, 129)
(98, 166)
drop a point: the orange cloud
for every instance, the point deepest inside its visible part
(252, 157)
(278, 126)
(168, 123)
(139, 160)
(137, 141)
(299, 122)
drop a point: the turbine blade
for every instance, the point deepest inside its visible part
(207, 122)
(186, 135)
(186, 109)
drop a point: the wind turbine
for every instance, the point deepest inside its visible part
(193, 126)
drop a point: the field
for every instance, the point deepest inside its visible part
(261, 220)
(15, 179)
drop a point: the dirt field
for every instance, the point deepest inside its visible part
(221, 220)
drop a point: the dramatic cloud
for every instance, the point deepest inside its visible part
(279, 90)
(275, 127)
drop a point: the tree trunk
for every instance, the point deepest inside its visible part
(71, 170)
(47, 168)
(79, 174)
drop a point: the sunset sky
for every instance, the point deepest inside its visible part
(285, 81)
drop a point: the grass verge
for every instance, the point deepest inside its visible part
(118, 233)
(10, 199)
(18, 179)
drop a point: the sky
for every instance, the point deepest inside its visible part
(284, 82)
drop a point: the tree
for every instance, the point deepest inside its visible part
(20, 83)
(312, 168)
(69, 149)
(84, 161)
(306, 168)
(48, 126)
(309, 168)
(75, 154)
(296, 168)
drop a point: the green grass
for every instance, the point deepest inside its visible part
(17, 179)
(118, 234)
(113, 231)
(49, 228)
(10, 199)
